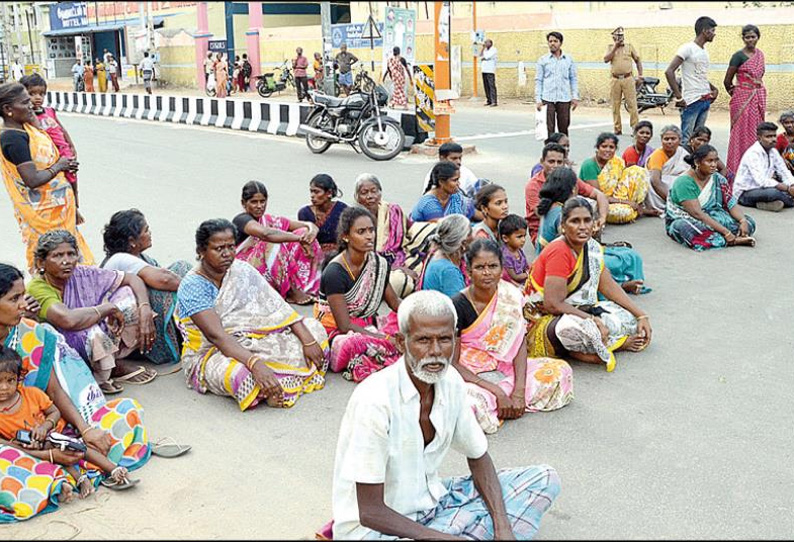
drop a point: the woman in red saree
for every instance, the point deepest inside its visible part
(748, 95)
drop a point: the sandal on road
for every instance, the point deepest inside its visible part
(168, 447)
(109, 387)
(138, 377)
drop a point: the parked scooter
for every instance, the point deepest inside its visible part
(266, 84)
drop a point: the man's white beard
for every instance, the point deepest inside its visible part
(417, 368)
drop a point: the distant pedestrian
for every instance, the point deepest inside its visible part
(556, 85)
(101, 76)
(147, 71)
(247, 70)
(17, 71)
(318, 70)
(221, 68)
(344, 62)
(88, 77)
(106, 56)
(488, 57)
(748, 95)
(300, 64)
(621, 55)
(695, 95)
(397, 69)
(113, 70)
(77, 75)
(237, 70)
(209, 68)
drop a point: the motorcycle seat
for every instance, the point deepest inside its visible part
(651, 80)
(329, 101)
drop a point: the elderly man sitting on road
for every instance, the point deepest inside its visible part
(396, 431)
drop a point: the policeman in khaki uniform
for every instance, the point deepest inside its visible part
(621, 55)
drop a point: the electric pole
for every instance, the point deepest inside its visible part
(328, 60)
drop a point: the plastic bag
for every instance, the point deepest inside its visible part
(541, 128)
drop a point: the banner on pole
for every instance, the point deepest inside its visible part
(424, 97)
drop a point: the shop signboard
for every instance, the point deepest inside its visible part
(68, 15)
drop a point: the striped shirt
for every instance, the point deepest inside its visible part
(555, 79)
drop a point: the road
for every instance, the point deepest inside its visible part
(689, 439)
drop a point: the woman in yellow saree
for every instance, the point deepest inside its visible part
(492, 356)
(565, 315)
(626, 187)
(33, 174)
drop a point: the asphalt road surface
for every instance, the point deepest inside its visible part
(689, 439)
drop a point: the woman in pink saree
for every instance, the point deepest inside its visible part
(748, 95)
(492, 354)
(284, 251)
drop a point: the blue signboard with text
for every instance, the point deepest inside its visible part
(353, 35)
(68, 15)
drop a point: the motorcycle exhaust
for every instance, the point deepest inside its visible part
(319, 133)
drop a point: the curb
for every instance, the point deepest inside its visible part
(275, 118)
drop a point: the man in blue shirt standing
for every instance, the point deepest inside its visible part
(556, 86)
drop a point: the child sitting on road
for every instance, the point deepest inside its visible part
(513, 233)
(48, 121)
(27, 408)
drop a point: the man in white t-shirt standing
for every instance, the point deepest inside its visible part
(696, 93)
(146, 69)
(488, 56)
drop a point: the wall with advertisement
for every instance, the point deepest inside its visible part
(399, 30)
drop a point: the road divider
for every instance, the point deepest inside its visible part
(254, 115)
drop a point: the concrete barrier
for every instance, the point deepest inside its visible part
(254, 115)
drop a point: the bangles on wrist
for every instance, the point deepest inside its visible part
(250, 363)
(306, 345)
(97, 312)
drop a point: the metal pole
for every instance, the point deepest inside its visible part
(30, 37)
(328, 60)
(443, 36)
(474, 62)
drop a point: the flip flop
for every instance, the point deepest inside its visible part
(109, 387)
(127, 378)
(110, 483)
(175, 368)
(168, 447)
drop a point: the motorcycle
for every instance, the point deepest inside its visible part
(648, 97)
(266, 84)
(356, 120)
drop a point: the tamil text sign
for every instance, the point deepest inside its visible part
(353, 36)
(68, 15)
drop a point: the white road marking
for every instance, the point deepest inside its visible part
(497, 135)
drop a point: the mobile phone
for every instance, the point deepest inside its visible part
(24, 437)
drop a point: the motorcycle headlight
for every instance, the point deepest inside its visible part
(382, 95)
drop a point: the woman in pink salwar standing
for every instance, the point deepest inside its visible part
(748, 95)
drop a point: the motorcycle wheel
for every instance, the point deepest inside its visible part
(263, 90)
(381, 145)
(315, 144)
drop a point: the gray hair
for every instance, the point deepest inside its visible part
(786, 115)
(425, 303)
(671, 128)
(450, 233)
(366, 178)
(51, 240)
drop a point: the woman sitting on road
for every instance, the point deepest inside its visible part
(127, 236)
(115, 428)
(623, 262)
(353, 286)
(641, 150)
(392, 234)
(445, 270)
(625, 187)
(565, 315)
(34, 175)
(665, 165)
(324, 211)
(701, 209)
(104, 315)
(492, 355)
(702, 136)
(492, 203)
(443, 196)
(284, 251)
(241, 339)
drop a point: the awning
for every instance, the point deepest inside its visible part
(102, 27)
